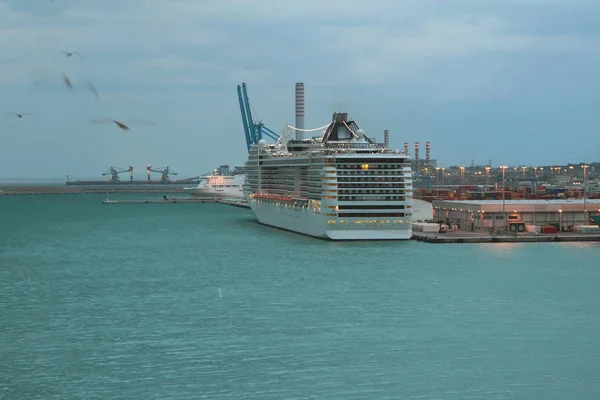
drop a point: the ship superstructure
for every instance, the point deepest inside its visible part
(220, 183)
(340, 185)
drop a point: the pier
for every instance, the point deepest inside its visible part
(166, 200)
(478, 237)
(159, 201)
(110, 189)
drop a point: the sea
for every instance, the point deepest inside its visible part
(199, 301)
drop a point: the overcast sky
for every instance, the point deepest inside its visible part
(514, 81)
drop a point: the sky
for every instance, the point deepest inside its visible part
(513, 81)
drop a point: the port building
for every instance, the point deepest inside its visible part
(489, 215)
(422, 211)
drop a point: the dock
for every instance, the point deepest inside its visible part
(482, 237)
(159, 201)
(110, 189)
(166, 200)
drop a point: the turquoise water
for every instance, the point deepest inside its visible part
(193, 301)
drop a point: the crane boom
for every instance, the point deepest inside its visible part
(245, 122)
(253, 130)
(114, 173)
(262, 129)
(269, 133)
(253, 133)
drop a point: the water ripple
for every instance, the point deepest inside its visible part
(198, 301)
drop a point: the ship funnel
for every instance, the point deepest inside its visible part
(300, 109)
(386, 138)
(340, 118)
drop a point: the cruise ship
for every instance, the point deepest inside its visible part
(339, 186)
(220, 183)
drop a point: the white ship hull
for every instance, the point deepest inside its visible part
(218, 186)
(339, 186)
(312, 223)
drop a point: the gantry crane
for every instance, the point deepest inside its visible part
(254, 130)
(114, 172)
(164, 173)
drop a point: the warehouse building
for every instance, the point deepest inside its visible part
(488, 215)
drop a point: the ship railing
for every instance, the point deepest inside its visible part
(330, 145)
(352, 146)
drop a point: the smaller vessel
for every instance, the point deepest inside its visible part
(220, 183)
(596, 219)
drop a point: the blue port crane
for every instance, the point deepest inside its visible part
(254, 131)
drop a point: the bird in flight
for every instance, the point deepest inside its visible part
(67, 81)
(72, 53)
(121, 125)
(89, 85)
(92, 89)
(19, 115)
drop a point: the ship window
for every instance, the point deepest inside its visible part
(372, 215)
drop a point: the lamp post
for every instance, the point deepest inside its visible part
(503, 197)
(585, 213)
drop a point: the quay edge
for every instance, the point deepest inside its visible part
(558, 237)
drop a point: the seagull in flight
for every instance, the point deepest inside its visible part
(92, 89)
(72, 53)
(67, 81)
(19, 115)
(89, 85)
(119, 124)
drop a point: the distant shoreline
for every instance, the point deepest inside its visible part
(60, 188)
(34, 181)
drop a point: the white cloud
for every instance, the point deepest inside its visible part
(30, 45)
(376, 42)
(173, 62)
(178, 61)
(309, 12)
(441, 37)
(424, 57)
